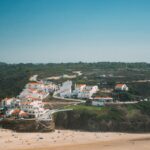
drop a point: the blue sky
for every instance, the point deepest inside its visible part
(74, 30)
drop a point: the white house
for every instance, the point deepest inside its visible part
(87, 92)
(33, 94)
(35, 108)
(33, 78)
(79, 73)
(101, 101)
(10, 102)
(33, 85)
(78, 88)
(121, 87)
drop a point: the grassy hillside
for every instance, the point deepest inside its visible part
(127, 118)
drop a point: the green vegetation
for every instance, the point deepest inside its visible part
(13, 77)
(84, 107)
(115, 112)
(106, 113)
(126, 118)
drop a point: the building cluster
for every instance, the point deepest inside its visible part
(101, 101)
(83, 91)
(80, 91)
(30, 101)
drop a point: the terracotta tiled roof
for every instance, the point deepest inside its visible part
(16, 111)
(23, 114)
(119, 85)
(26, 103)
(79, 85)
(34, 83)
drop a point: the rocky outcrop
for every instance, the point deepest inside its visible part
(28, 125)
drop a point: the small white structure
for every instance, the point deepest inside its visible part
(10, 102)
(121, 87)
(101, 101)
(78, 88)
(7, 102)
(54, 78)
(87, 92)
(79, 73)
(69, 76)
(33, 78)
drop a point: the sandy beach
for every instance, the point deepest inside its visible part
(73, 140)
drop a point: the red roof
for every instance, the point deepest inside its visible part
(23, 114)
(79, 85)
(16, 111)
(26, 103)
(32, 90)
(120, 85)
(7, 99)
(35, 83)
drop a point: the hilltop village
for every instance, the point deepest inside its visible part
(32, 101)
(79, 96)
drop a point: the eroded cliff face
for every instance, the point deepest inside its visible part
(28, 125)
(81, 120)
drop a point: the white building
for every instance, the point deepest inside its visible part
(121, 87)
(10, 102)
(42, 85)
(7, 102)
(69, 76)
(66, 89)
(34, 85)
(37, 90)
(87, 92)
(33, 94)
(33, 78)
(79, 73)
(101, 101)
(35, 108)
(78, 88)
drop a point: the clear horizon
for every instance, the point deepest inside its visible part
(72, 62)
(56, 31)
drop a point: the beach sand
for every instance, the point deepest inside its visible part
(73, 140)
